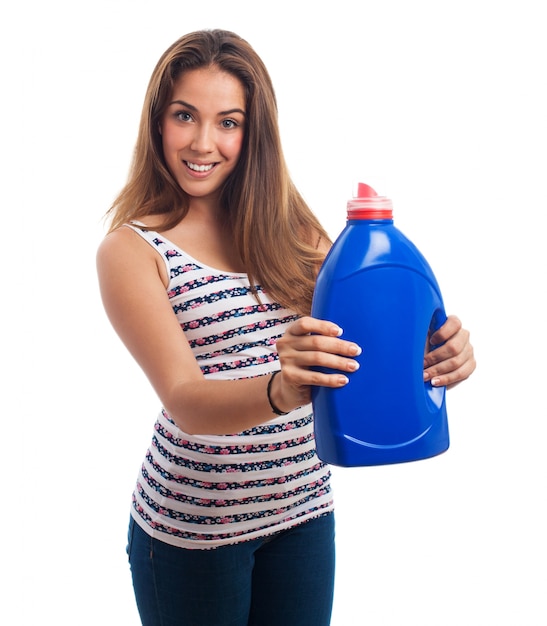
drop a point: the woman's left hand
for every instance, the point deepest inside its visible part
(453, 361)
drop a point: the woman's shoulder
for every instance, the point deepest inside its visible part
(124, 255)
(124, 242)
(123, 236)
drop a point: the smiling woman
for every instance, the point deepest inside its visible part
(207, 274)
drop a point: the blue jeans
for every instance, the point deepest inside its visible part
(283, 580)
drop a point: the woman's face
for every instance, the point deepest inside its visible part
(202, 130)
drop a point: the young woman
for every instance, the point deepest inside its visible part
(207, 275)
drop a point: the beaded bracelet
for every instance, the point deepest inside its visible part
(268, 391)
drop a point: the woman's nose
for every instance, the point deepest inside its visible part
(203, 139)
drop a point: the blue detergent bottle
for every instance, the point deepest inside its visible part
(378, 287)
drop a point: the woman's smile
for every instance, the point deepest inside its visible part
(195, 167)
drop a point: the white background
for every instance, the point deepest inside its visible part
(439, 105)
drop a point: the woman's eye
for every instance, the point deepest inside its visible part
(183, 116)
(229, 124)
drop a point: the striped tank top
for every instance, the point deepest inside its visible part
(205, 491)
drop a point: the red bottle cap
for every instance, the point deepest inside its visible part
(368, 205)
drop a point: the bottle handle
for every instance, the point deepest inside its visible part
(435, 395)
(437, 320)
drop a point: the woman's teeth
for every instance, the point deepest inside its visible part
(199, 168)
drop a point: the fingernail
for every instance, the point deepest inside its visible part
(339, 331)
(356, 350)
(343, 380)
(435, 382)
(427, 376)
(354, 366)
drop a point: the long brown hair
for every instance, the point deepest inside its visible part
(275, 232)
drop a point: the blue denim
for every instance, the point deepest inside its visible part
(283, 580)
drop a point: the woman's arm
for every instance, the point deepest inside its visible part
(133, 290)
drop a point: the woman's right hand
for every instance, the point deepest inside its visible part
(308, 343)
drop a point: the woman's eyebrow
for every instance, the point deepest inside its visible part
(230, 111)
(184, 104)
